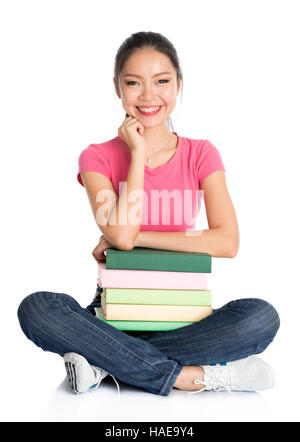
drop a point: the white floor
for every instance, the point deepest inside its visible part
(36, 389)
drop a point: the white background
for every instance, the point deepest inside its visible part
(240, 62)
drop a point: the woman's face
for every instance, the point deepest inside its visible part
(148, 80)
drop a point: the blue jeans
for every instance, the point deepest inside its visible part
(150, 360)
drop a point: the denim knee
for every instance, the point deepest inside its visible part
(26, 310)
(33, 306)
(268, 315)
(259, 318)
(272, 318)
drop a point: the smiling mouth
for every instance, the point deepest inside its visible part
(150, 110)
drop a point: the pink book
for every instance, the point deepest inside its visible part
(148, 279)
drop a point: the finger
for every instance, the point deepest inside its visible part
(127, 118)
(96, 253)
(133, 123)
(99, 250)
(130, 122)
(98, 258)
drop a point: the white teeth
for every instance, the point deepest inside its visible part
(151, 109)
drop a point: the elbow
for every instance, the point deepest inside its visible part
(232, 253)
(233, 248)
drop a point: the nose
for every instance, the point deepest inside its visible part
(147, 93)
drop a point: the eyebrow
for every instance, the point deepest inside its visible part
(155, 75)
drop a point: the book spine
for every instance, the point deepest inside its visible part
(158, 260)
(127, 312)
(165, 297)
(122, 278)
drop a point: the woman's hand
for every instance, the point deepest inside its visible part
(98, 252)
(131, 131)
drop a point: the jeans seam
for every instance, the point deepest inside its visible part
(64, 306)
(167, 381)
(129, 351)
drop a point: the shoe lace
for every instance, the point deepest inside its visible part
(94, 387)
(215, 380)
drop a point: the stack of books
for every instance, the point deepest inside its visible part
(151, 289)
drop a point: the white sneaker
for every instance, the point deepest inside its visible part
(249, 374)
(83, 376)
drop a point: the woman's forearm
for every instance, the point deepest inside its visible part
(215, 242)
(127, 213)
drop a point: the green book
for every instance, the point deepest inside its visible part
(157, 296)
(142, 325)
(140, 258)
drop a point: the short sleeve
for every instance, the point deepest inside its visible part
(209, 160)
(93, 159)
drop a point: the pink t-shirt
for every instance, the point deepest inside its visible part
(172, 197)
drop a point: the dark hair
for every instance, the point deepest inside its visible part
(145, 40)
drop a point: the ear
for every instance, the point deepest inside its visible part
(179, 81)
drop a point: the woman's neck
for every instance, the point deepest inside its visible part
(157, 138)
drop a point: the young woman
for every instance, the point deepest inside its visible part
(214, 353)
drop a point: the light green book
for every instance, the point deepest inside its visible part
(157, 296)
(142, 325)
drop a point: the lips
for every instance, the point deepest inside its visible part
(144, 112)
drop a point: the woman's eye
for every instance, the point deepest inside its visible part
(133, 81)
